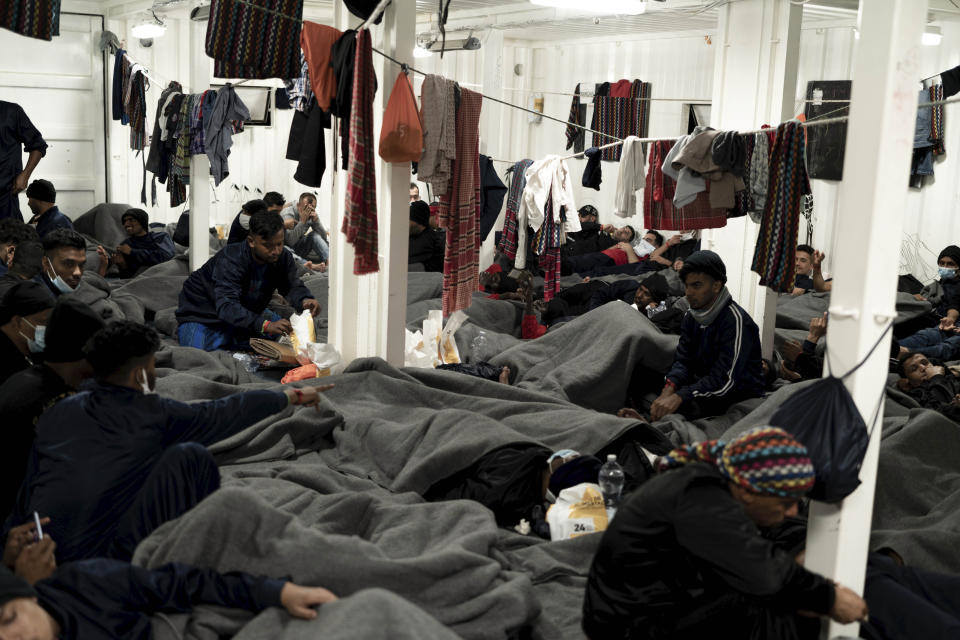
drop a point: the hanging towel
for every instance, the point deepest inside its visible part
(219, 131)
(460, 209)
(438, 114)
(776, 247)
(32, 18)
(360, 213)
(576, 120)
(631, 177)
(255, 38)
(659, 211)
(508, 239)
(317, 42)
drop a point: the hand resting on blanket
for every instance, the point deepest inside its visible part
(300, 601)
(306, 396)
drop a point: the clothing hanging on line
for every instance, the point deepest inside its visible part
(492, 193)
(576, 136)
(928, 136)
(38, 19)
(246, 41)
(343, 55)
(316, 41)
(120, 62)
(548, 242)
(156, 140)
(360, 212)
(508, 239)
(226, 118)
(659, 210)
(548, 191)
(951, 82)
(438, 113)
(135, 108)
(697, 156)
(620, 115)
(299, 91)
(775, 254)
(308, 145)
(630, 178)
(460, 210)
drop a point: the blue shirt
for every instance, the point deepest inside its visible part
(51, 220)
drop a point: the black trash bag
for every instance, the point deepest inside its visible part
(825, 419)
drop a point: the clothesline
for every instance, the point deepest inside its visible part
(381, 6)
(590, 94)
(158, 82)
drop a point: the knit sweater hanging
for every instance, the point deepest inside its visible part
(360, 212)
(32, 18)
(776, 247)
(255, 38)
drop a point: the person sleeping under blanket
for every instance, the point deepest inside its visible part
(621, 253)
(142, 248)
(104, 599)
(931, 383)
(115, 461)
(670, 255)
(518, 481)
(224, 303)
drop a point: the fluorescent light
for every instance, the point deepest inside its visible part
(149, 30)
(618, 7)
(931, 37)
(420, 52)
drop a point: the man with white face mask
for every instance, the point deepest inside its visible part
(64, 258)
(23, 316)
(115, 461)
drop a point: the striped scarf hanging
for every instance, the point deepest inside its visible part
(547, 242)
(508, 239)
(617, 118)
(255, 38)
(360, 213)
(32, 18)
(776, 247)
(575, 135)
(936, 120)
(136, 110)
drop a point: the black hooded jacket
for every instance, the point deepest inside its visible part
(682, 540)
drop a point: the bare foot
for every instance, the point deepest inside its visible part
(627, 412)
(587, 279)
(505, 375)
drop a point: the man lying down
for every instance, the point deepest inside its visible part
(115, 461)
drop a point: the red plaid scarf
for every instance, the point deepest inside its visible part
(658, 209)
(360, 213)
(460, 210)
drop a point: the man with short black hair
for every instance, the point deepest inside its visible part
(41, 198)
(64, 259)
(414, 192)
(305, 236)
(142, 248)
(13, 231)
(224, 303)
(142, 458)
(718, 360)
(274, 201)
(26, 265)
(238, 230)
(620, 250)
(27, 394)
(426, 246)
(804, 270)
(24, 310)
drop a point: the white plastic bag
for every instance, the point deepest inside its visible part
(578, 511)
(309, 351)
(436, 344)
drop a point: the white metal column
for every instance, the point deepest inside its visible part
(491, 120)
(755, 82)
(872, 197)
(199, 164)
(399, 35)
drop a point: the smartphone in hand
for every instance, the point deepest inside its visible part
(38, 534)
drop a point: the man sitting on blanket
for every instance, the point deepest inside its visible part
(142, 248)
(224, 303)
(64, 259)
(683, 558)
(718, 359)
(112, 463)
(101, 598)
(932, 384)
(26, 265)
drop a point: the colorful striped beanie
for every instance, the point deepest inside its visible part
(765, 460)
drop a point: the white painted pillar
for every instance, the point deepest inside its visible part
(343, 290)
(491, 123)
(755, 81)
(199, 189)
(872, 197)
(399, 38)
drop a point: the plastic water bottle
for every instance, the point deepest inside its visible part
(478, 347)
(611, 484)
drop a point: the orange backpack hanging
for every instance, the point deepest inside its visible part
(401, 138)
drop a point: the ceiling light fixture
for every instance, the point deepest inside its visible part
(420, 52)
(931, 36)
(617, 7)
(150, 27)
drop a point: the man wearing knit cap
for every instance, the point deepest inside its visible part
(41, 197)
(718, 359)
(23, 315)
(107, 599)
(142, 248)
(683, 558)
(426, 245)
(27, 394)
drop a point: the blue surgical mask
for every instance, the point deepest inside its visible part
(60, 283)
(37, 343)
(947, 274)
(563, 453)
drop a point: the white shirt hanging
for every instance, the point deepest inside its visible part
(547, 177)
(631, 177)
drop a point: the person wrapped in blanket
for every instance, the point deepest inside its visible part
(224, 303)
(718, 360)
(102, 599)
(931, 383)
(683, 558)
(142, 248)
